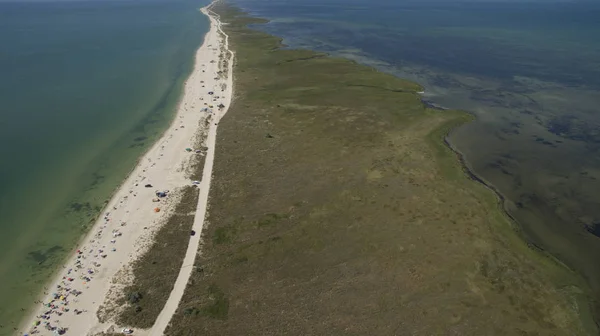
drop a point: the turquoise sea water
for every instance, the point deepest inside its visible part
(85, 89)
(530, 72)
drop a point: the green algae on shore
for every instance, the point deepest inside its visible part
(336, 208)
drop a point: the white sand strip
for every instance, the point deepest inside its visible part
(118, 237)
(188, 264)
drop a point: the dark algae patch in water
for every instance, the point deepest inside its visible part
(337, 209)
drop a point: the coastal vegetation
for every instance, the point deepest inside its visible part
(336, 208)
(196, 165)
(155, 271)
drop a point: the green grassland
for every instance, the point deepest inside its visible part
(337, 209)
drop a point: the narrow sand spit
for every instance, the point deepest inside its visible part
(170, 307)
(73, 298)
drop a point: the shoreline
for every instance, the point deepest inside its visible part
(471, 175)
(121, 203)
(69, 184)
(582, 284)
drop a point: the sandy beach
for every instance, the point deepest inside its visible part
(70, 302)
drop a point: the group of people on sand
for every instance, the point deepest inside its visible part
(85, 266)
(64, 296)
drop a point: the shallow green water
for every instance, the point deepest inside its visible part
(86, 87)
